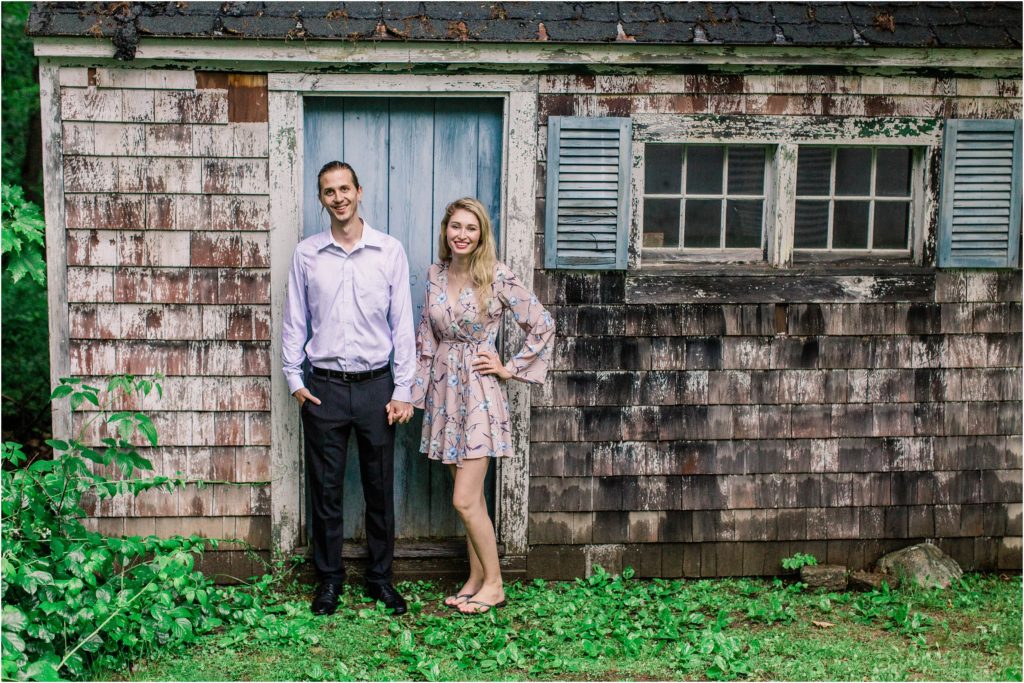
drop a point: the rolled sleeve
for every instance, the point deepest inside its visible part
(293, 335)
(402, 333)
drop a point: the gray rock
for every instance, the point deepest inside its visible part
(861, 580)
(923, 564)
(828, 576)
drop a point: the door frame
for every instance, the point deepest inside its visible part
(518, 212)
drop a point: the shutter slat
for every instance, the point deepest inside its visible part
(589, 166)
(980, 208)
(984, 231)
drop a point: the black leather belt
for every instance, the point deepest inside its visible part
(352, 376)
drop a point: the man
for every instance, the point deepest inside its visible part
(350, 287)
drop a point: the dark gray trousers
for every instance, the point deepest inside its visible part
(346, 406)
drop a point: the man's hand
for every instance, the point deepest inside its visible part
(302, 395)
(399, 412)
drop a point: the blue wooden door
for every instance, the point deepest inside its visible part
(413, 156)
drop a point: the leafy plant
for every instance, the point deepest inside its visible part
(25, 346)
(23, 236)
(75, 601)
(799, 560)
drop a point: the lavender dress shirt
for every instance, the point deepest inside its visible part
(358, 306)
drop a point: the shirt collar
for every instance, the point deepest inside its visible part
(371, 238)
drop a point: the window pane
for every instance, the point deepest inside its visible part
(703, 227)
(892, 179)
(663, 169)
(853, 171)
(811, 230)
(746, 170)
(661, 222)
(704, 170)
(743, 223)
(891, 225)
(813, 168)
(850, 225)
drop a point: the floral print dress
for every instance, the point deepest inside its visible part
(466, 413)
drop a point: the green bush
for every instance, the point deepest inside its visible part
(799, 560)
(25, 346)
(75, 601)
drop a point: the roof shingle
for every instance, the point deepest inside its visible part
(951, 24)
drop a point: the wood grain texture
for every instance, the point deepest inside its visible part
(520, 189)
(56, 254)
(286, 176)
(289, 55)
(778, 289)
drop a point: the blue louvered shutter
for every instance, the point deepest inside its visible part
(980, 206)
(587, 217)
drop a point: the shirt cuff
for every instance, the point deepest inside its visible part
(294, 383)
(403, 394)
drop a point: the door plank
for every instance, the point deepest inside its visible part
(489, 141)
(323, 141)
(366, 144)
(412, 220)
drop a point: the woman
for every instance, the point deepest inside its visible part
(465, 423)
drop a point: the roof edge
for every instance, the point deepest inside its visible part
(552, 54)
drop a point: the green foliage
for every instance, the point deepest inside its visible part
(20, 104)
(799, 560)
(23, 236)
(894, 611)
(25, 359)
(25, 347)
(617, 628)
(75, 600)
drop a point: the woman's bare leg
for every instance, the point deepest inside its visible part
(476, 570)
(471, 505)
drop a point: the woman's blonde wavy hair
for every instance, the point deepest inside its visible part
(483, 258)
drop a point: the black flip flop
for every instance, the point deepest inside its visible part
(488, 605)
(456, 596)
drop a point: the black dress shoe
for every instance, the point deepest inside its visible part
(387, 594)
(326, 600)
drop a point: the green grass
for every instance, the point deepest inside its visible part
(610, 628)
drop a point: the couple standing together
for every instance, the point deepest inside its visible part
(348, 309)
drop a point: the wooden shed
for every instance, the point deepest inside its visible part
(781, 242)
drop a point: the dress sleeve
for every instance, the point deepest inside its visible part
(426, 345)
(531, 363)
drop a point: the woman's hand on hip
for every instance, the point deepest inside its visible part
(488, 363)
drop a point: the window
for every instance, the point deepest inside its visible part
(853, 199)
(704, 197)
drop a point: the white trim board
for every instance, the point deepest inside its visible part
(56, 242)
(517, 208)
(620, 54)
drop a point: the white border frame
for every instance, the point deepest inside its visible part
(56, 240)
(786, 134)
(286, 92)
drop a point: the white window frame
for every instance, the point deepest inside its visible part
(784, 135)
(830, 253)
(720, 253)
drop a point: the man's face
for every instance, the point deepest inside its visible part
(339, 195)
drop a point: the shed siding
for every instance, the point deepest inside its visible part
(712, 422)
(697, 424)
(167, 217)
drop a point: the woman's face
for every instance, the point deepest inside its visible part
(463, 233)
